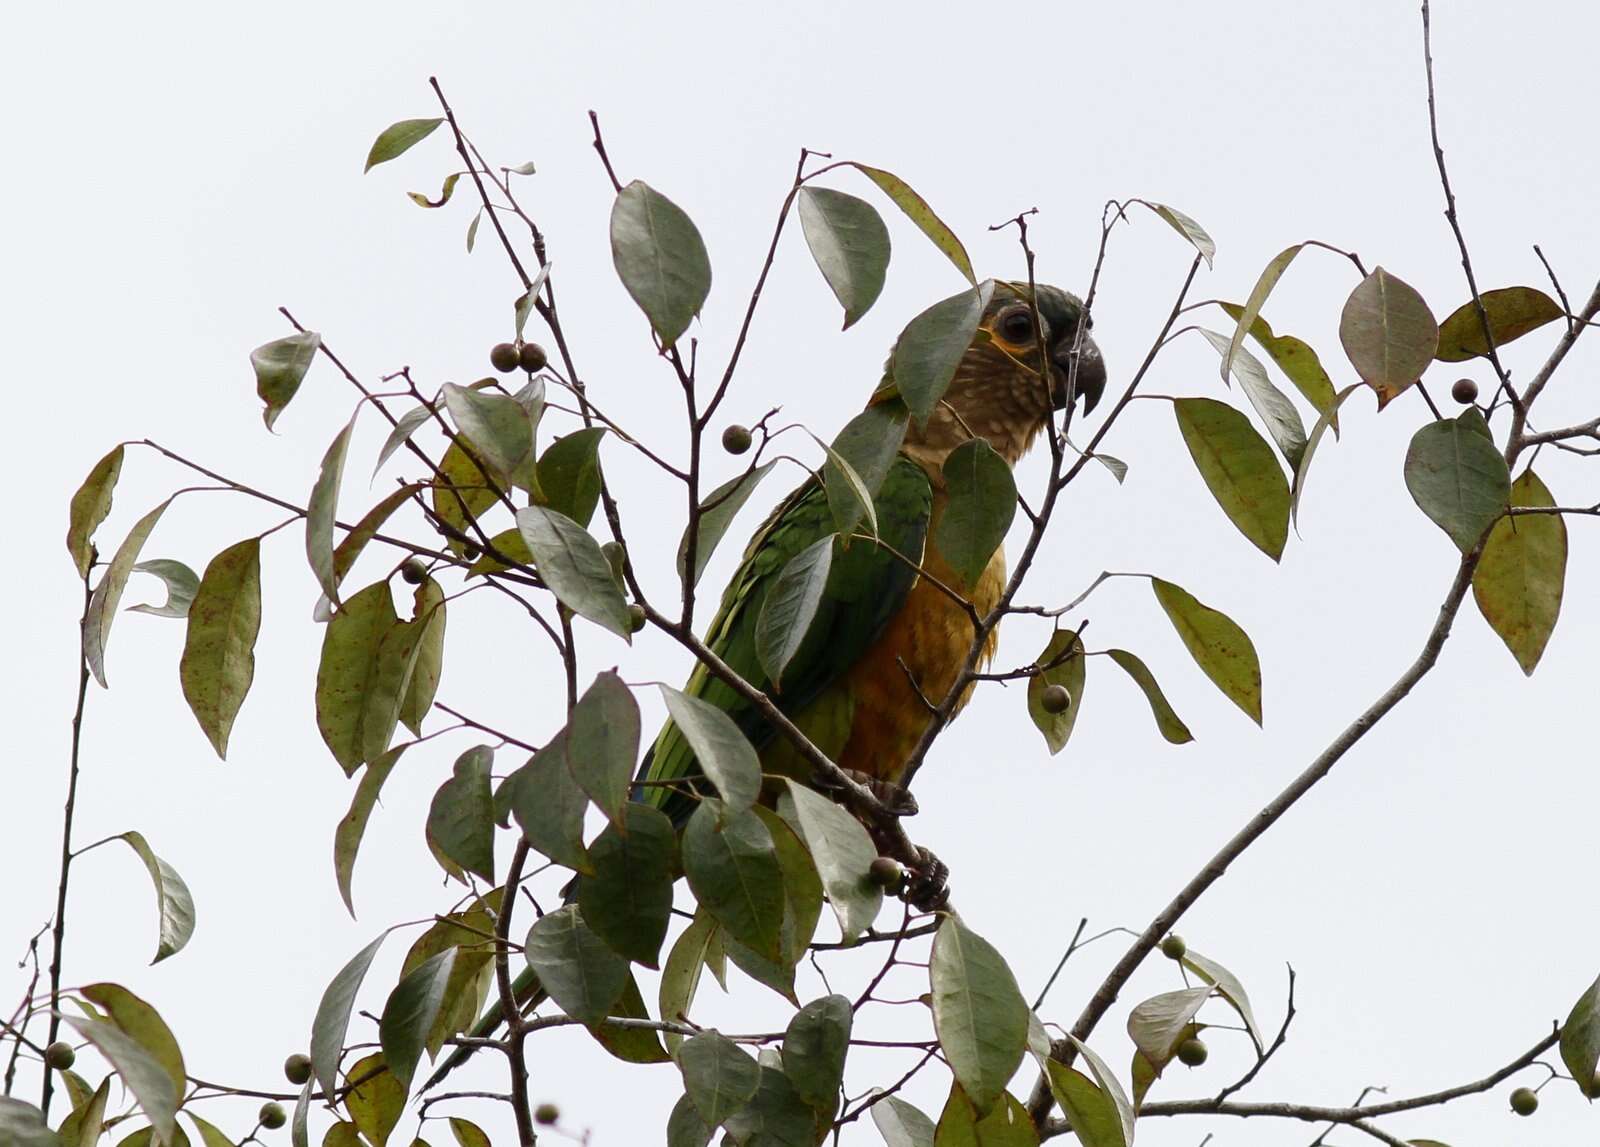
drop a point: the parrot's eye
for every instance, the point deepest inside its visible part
(1017, 326)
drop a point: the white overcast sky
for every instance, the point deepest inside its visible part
(177, 171)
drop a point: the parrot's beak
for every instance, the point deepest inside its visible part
(1091, 377)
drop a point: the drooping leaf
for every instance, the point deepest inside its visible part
(660, 258)
(579, 970)
(733, 870)
(1389, 334)
(1068, 668)
(549, 805)
(627, 1043)
(931, 346)
(428, 617)
(1222, 650)
(868, 444)
(680, 975)
(180, 581)
(1229, 988)
(1580, 1041)
(901, 1124)
(107, 595)
(979, 1014)
(174, 904)
(1168, 721)
(141, 1072)
(571, 564)
(850, 245)
(1271, 404)
(1246, 316)
(143, 1024)
(627, 899)
(81, 1128)
(497, 426)
(468, 1133)
(1329, 418)
(355, 541)
(719, 1076)
(410, 1013)
(603, 743)
(569, 473)
(405, 426)
(219, 660)
(23, 1124)
(1520, 576)
(507, 543)
(1188, 228)
(849, 500)
(776, 1114)
(791, 606)
(333, 1016)
(802, 888)
(90, 505)
(280, 367)
(445, 192)
(842, 851)
(717, 511)
(1239, 470)
(353, 825)
(376, 1099)
(917, 210)
(686, 1127)
(1007, 1125)
(1457, 477)
(397, 139)
(466, 988)
(982, 500)
(814, 1047)
(464, 493)
(351, 663)
(1294, 357)
(461, 817)
(322, 508)
(1098, 1114)
(724, 753)
(1159, 1024)
(1512, 311)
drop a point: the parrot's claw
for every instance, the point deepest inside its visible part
(928, 886)
(896, 800)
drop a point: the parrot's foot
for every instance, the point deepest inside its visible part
(896, 800)
(928, 886)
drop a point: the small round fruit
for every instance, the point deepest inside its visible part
(1465, 391)
(1524, 1101)
(272, 1116)
(532, 357)
(636, 618)
(736, 439)
(616, 558)
(413, 572)
(297, 1068)
(1055, 699)
(1174, 947)
(546, 1114)
(60, 1055)
(504, 357)
(1192, 1052)
(885, 872)
(470, 551)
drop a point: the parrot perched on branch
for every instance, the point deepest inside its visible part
(887, 639)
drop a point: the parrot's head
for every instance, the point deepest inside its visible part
(999, 391)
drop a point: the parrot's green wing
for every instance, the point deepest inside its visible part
(867, 585)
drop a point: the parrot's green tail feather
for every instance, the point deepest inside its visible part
(528, 993)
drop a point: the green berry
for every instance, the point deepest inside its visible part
(736, 439)
(470, 551)
(297, 1068)
(532, 357)
(1524, 1101)
(546, 1114)
(504, 357)
(1055, 699)
(636, 618)
(616, 557)
(885, 872)
(413, 572)
(1192, 1052)
(60, 1055)
(272, 1116)
(1465, 391)
(1174, 947)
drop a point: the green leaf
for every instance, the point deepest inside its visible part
(355, 541)
(583, 975)
(717, 512)
(143, 1024)
(280, 367)
(842, 851)
(22, 1125)
(680, 975)
(1294, 357)
(89, 508)
(603, 743)
(468, 1133)
(630, 1044)
(397, 139)
(180, 582)
(142, 1073)
(1281, 418)
(718, 1076)
(1229, 988)
(496, 425)
(790, 607)
(723, 751)
(405, 426)
(322, 509)
(1329, 418)
(917, 210)
(571, 564)
(1008, 1125)
(219, 660)
(81, 1128)
(1096, 1109)
(930, 348)
(850, 244)
(1522, 572)
(685, 1127)
(461, 817)
(466, 987)
(660, 259)
(1513, 312)
(776, 1116)
(333, 1016)
(350, 665)
(627, 900)
(1160, 1023)
(107, 595)
(1389, 334)
(733, 869)
(1239, 470)
(1246, 316)
(1457, 477)
(1580, 1041)
(376, 1104)
(510, 544)
(901, 1124)
(464, 493)
(1170, 724)
(868, 445)
(410, 1012)
(982, 502)
(174, 904)
(549, 805)
(427, 656)
(1188, 228)
(445, 192)
(524, 307)
(802, 890)
(814, 1047)
(472, 229)
(1222, 650)
(1069, 674)
(353, 825)
(979, 1014)
(569, 473)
